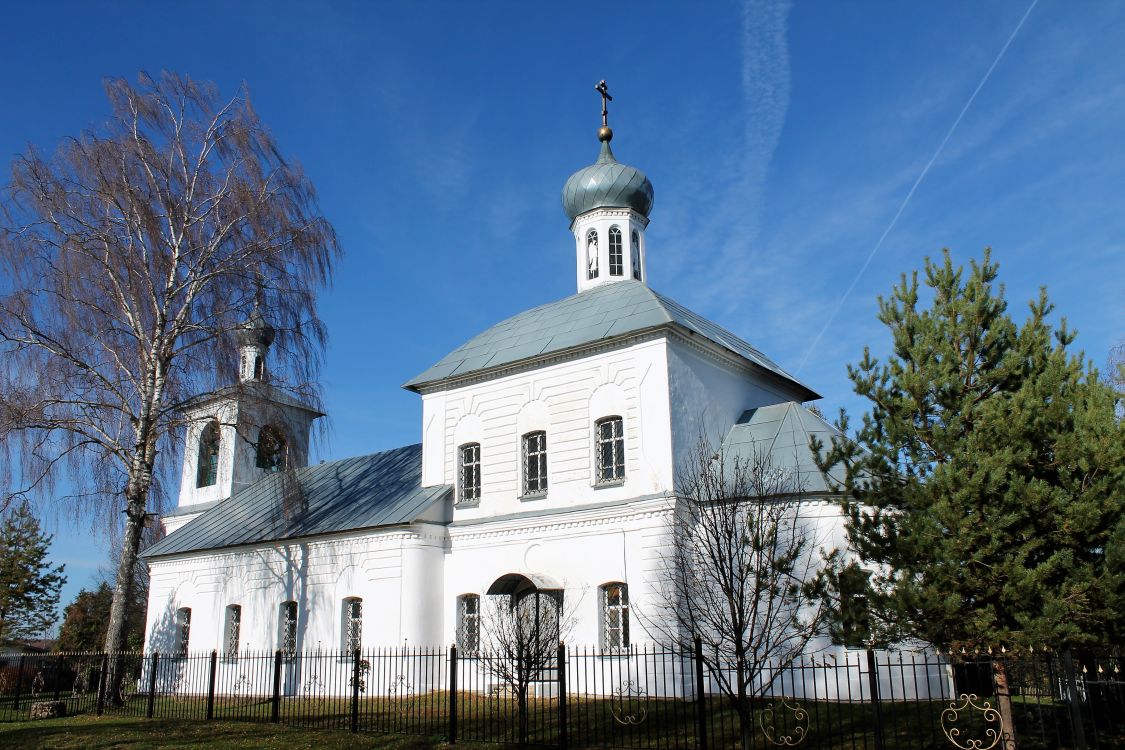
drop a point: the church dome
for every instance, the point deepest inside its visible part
(607, 184)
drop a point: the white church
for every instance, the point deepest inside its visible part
(550, 444)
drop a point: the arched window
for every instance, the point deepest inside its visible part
(468, 623)
(259, 368)
(615, 617)
(287, 635)
(592, 254)
(636, 256)
(468, 474)
(271, 449)
(535, 463)
(616, 256)
(207, 466)
(232, 631)
(609, 449)
(183, 630)
(352, 624)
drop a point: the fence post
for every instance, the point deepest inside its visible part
(873, 682)
(355, 690)
(19, 683)
(275, 712)
(58, 677)
(1075, 705)
(211, 685)
(700, 697)
(563, 738)
(453, 694)
(101, 684)
(152, 685)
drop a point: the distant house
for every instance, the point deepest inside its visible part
(40, 646)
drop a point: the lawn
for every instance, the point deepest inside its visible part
(87, 732)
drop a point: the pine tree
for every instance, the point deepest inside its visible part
(29, 586)
(985, 488)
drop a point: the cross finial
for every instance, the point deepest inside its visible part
(604, 134)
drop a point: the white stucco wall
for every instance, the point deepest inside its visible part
(564, 399)
(390, 570)
(708, 391)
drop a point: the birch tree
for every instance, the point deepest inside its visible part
(131, 256)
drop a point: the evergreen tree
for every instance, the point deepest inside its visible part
(29, 586)
(984, 490)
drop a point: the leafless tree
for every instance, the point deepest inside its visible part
(132, 256)
(744, 573)
(521, 635)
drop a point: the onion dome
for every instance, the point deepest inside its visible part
(607, 184)
(255, 331)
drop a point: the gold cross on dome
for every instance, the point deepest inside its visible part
(602, 89)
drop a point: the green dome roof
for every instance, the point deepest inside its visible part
(607, 184)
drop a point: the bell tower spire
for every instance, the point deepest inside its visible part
(608, 204)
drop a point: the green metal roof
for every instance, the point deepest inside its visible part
(607, 183)
(782, 431)
(382, 489)
(603, 313)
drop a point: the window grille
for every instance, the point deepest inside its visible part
(289, 628)
(592, 254)
(636, 256)
(183, 630)
(233, 631)
(535, 463)
(616, 256)
(207, 470)
(468, 623)
(469, 471)
(353, 623)
(271, 449)
(610, 449)
(615, 617)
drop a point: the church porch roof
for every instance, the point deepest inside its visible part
(782, 432)
(381, 489)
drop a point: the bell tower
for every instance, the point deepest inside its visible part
(608, 204)
(242, 433)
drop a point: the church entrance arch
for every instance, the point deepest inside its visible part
(527, 612)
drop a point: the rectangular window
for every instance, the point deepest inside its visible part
(610, 449)
(468, 624)
(469, 479)
(233, 631)
(288, 634)
(615, 613)
(535, 463)
(183, 630)
(353, 624)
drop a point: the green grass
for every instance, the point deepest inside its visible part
(88, 732)
(421, 722)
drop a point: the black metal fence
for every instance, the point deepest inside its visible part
(646, 697)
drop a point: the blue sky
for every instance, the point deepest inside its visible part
(781, 142)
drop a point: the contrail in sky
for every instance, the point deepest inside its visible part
(917, 182)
